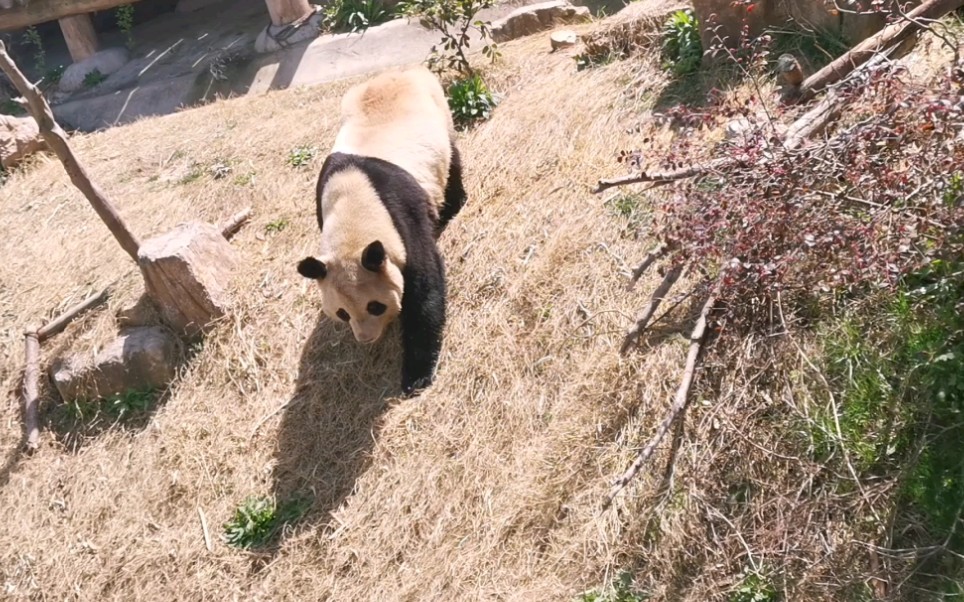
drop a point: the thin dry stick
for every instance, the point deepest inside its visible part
(31, 389)
(665, 176)
(649, 260)
(889, 36)
(56, 139)
(204, 529)
(658, 295)
(234, 224)
(679, 403)
(58, 324)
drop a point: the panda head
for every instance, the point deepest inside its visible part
(364, 290)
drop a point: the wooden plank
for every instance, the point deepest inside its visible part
(80, 36)
(35, 12)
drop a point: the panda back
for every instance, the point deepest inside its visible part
(401, 117)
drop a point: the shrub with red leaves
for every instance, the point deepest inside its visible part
(880, 198)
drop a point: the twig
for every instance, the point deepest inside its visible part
(679, 403)
(650, 258)
(658, 295)
(31, 389)
(204, 529)
(234, 224)
(665, 176)
(59, 323)
(56, 139)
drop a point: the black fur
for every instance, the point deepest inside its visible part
(454, 192)
(309, 267)
(423, 302)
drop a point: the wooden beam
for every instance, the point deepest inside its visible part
(35, 12)
(286, 12)
(80, 36)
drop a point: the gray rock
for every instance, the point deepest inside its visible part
(19, 138)
(534, 18)
(106, 61)
(138, 359)
(563, 39)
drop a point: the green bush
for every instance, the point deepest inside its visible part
(453, 19)
(682, 48)
(470, 101)
(355, 15)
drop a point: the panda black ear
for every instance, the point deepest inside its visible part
(373, 256)
(309, 267)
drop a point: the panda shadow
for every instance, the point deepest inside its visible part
(329, 426)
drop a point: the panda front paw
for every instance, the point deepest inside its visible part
(412, 387)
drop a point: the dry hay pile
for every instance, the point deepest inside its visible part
(488, 486)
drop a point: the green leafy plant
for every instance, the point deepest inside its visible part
(116, 407)
(259, 519)
(754, 588)
(621, 590)
(53, 74)
(301, 156)
(9, 107)
(94, 78)
(355, 15)
(454, 19)
(470, 101)
(682, 48)
(277, 225)
(32, 37)
(125, 22)
(586, 60)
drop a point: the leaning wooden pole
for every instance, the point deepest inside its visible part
(56, 139)
(887, 37)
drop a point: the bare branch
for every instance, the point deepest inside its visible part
(31, 389)
(56, 139)
(649, 260)
(658, 295)
(234, 224)
(679, 403)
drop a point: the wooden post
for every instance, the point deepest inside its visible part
(80, 36)
(286, 12)
(56, 139)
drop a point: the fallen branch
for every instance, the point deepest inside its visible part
(658, 295)
(813, 121)
(31, 389)
(31, 372)
(649, 260)
(679, 403)
(58, 324)
(234, 224)
(56, 139)
(888, 37)
(663, 177)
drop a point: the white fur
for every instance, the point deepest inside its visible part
(401, 117)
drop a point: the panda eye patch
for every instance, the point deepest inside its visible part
(376, 309)
(343, 315)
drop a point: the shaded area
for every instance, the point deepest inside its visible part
(329, 426)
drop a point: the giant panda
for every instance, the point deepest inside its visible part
(391, 183)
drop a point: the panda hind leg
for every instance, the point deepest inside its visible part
(455, 195)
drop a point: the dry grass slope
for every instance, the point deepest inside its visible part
(486, 487)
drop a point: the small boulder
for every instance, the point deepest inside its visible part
(138, 359)
(563, 39)
(534, 18)
(19, 138)
(106, 61)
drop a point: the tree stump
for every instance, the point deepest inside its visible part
(186, 273)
